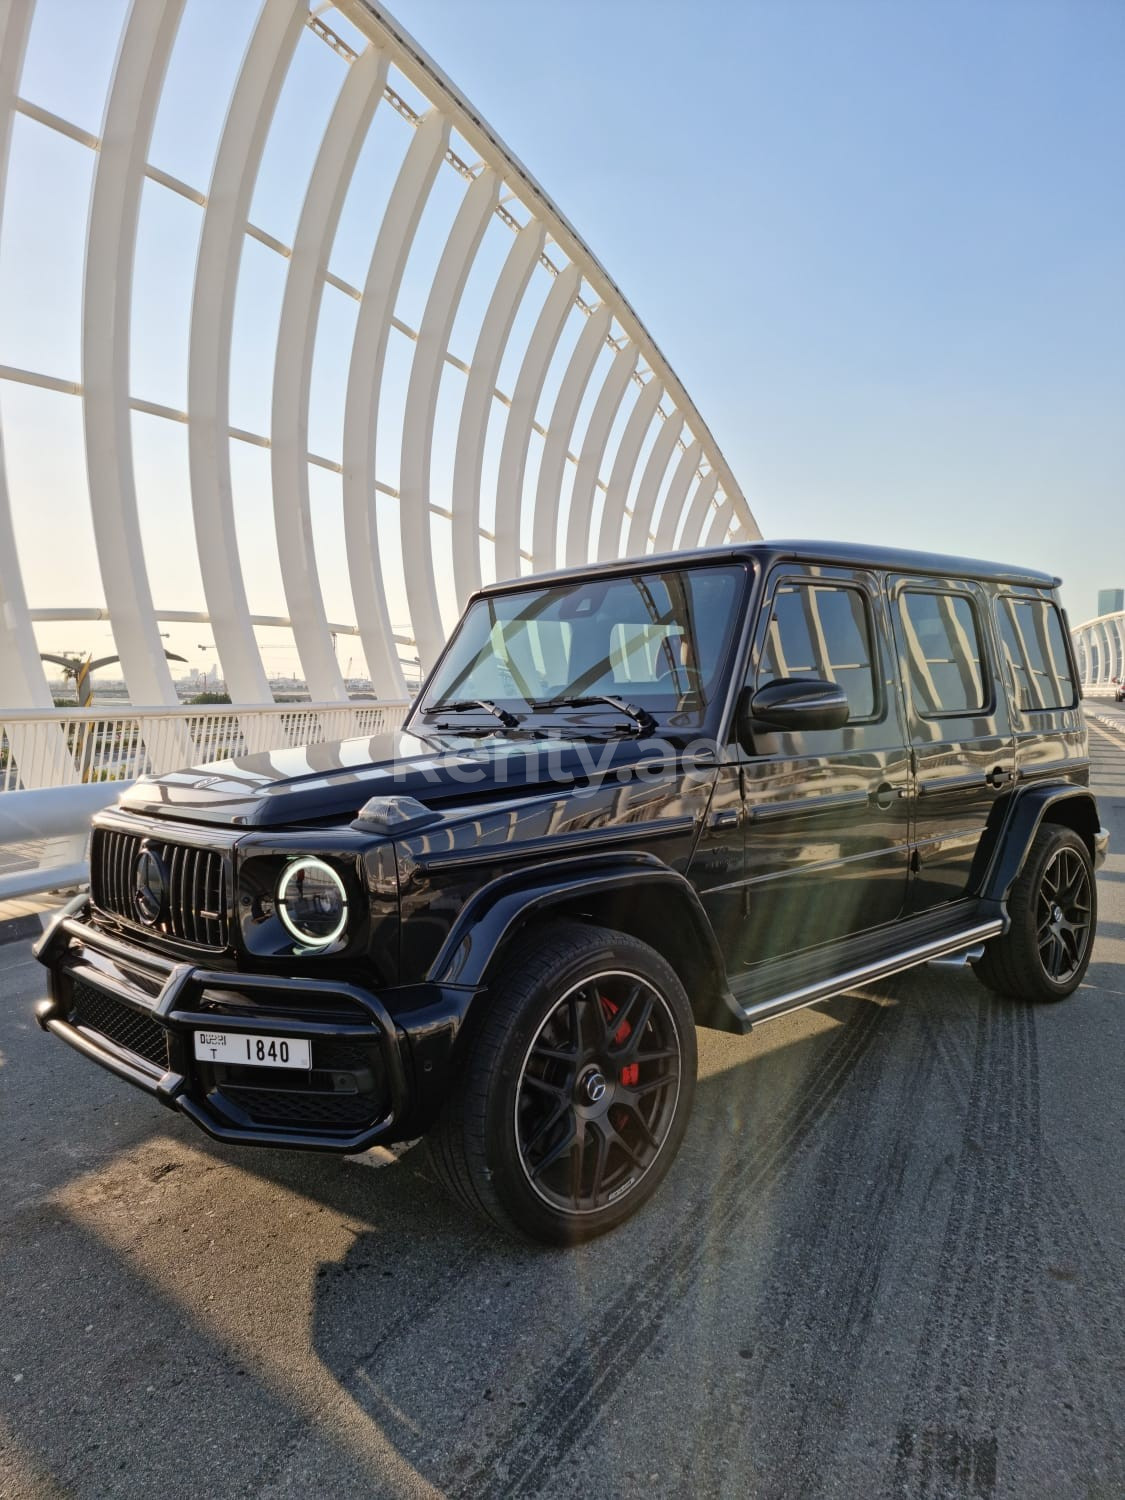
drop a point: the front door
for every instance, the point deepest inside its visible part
(826, 812)
(959, 728)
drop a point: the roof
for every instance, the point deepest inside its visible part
(766, 553)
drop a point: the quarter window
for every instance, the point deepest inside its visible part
(1035, 647)
(818, 630)
(944, 651)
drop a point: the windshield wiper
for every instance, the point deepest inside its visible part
(509, 721)
(640, 716)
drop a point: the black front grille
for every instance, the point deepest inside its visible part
(112, 1018)
(290, 1107)
(340, 1055)
(195, 908)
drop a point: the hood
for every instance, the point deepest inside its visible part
(331, 781)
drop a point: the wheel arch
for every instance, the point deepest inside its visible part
(1067, 806)
(642, 897)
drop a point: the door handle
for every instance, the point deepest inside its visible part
(999, 777)
(728, 818)
(885, 794)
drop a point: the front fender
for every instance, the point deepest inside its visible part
(499, 908)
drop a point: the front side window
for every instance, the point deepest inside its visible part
(658, 640)
(944, 652)
(1035, 647)
(821, 630)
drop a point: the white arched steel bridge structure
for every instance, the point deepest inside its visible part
(563, 432)
(1099, 646)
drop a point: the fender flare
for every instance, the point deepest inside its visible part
(496, 909)
(1027, 812)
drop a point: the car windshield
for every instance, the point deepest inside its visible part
(655, 641)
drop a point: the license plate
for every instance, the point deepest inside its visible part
(252, 1051)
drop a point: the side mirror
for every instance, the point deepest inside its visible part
(794, 704)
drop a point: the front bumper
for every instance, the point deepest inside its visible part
(135, 1013)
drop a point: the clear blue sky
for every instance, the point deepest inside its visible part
(882, 243)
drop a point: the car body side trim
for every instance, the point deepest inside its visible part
(805, 807)
(880, 968)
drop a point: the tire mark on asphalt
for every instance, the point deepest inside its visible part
(964, 1374)
(818, 1305)
(589, 1376)
(954, 1065)
(1082, 1308)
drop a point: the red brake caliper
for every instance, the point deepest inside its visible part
(630, 1074)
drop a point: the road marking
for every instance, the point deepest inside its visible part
(1099, 727)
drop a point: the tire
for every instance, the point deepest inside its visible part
(1053, 908)
(575, 1093)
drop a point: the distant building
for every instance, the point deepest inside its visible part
(1110, 601)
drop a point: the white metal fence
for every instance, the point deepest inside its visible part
(57, 768)
(72, 746)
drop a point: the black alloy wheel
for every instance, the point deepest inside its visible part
(576, 1089)
(1064, 914)
(1052, 913)
(597, 1093)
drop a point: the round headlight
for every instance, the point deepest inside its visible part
(312, 902)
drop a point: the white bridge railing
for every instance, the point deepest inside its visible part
(73, 745)
(58, 767)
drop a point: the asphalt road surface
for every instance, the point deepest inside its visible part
(887, 1264)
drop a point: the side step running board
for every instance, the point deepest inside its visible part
(880, 968)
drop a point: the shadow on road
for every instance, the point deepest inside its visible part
(866, 1275)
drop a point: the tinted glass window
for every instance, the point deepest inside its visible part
(1035, 647)
(821, 631)
(658, 639)
(943, 648)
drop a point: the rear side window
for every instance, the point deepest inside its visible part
(817, 630)
(1035, 647)
(944, 651)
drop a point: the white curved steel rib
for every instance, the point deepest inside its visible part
(365, 376)
(212, 316)
(521, 417)
(578, 280)
(698, 511)
(556, 445)
(579, 541)
(21, 672)
(745, 527)
(430, 350)
(677, 493)
(107, 297)
(426, 75)
(716, 533)
(296, 341)
(655, 469)
(624, 466)
(1112, 665)
(476, 409)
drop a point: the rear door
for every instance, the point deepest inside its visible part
(958, 723)
(826, 812)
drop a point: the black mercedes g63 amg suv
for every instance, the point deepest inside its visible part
(705, 788)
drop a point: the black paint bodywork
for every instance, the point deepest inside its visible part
(737, 856)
